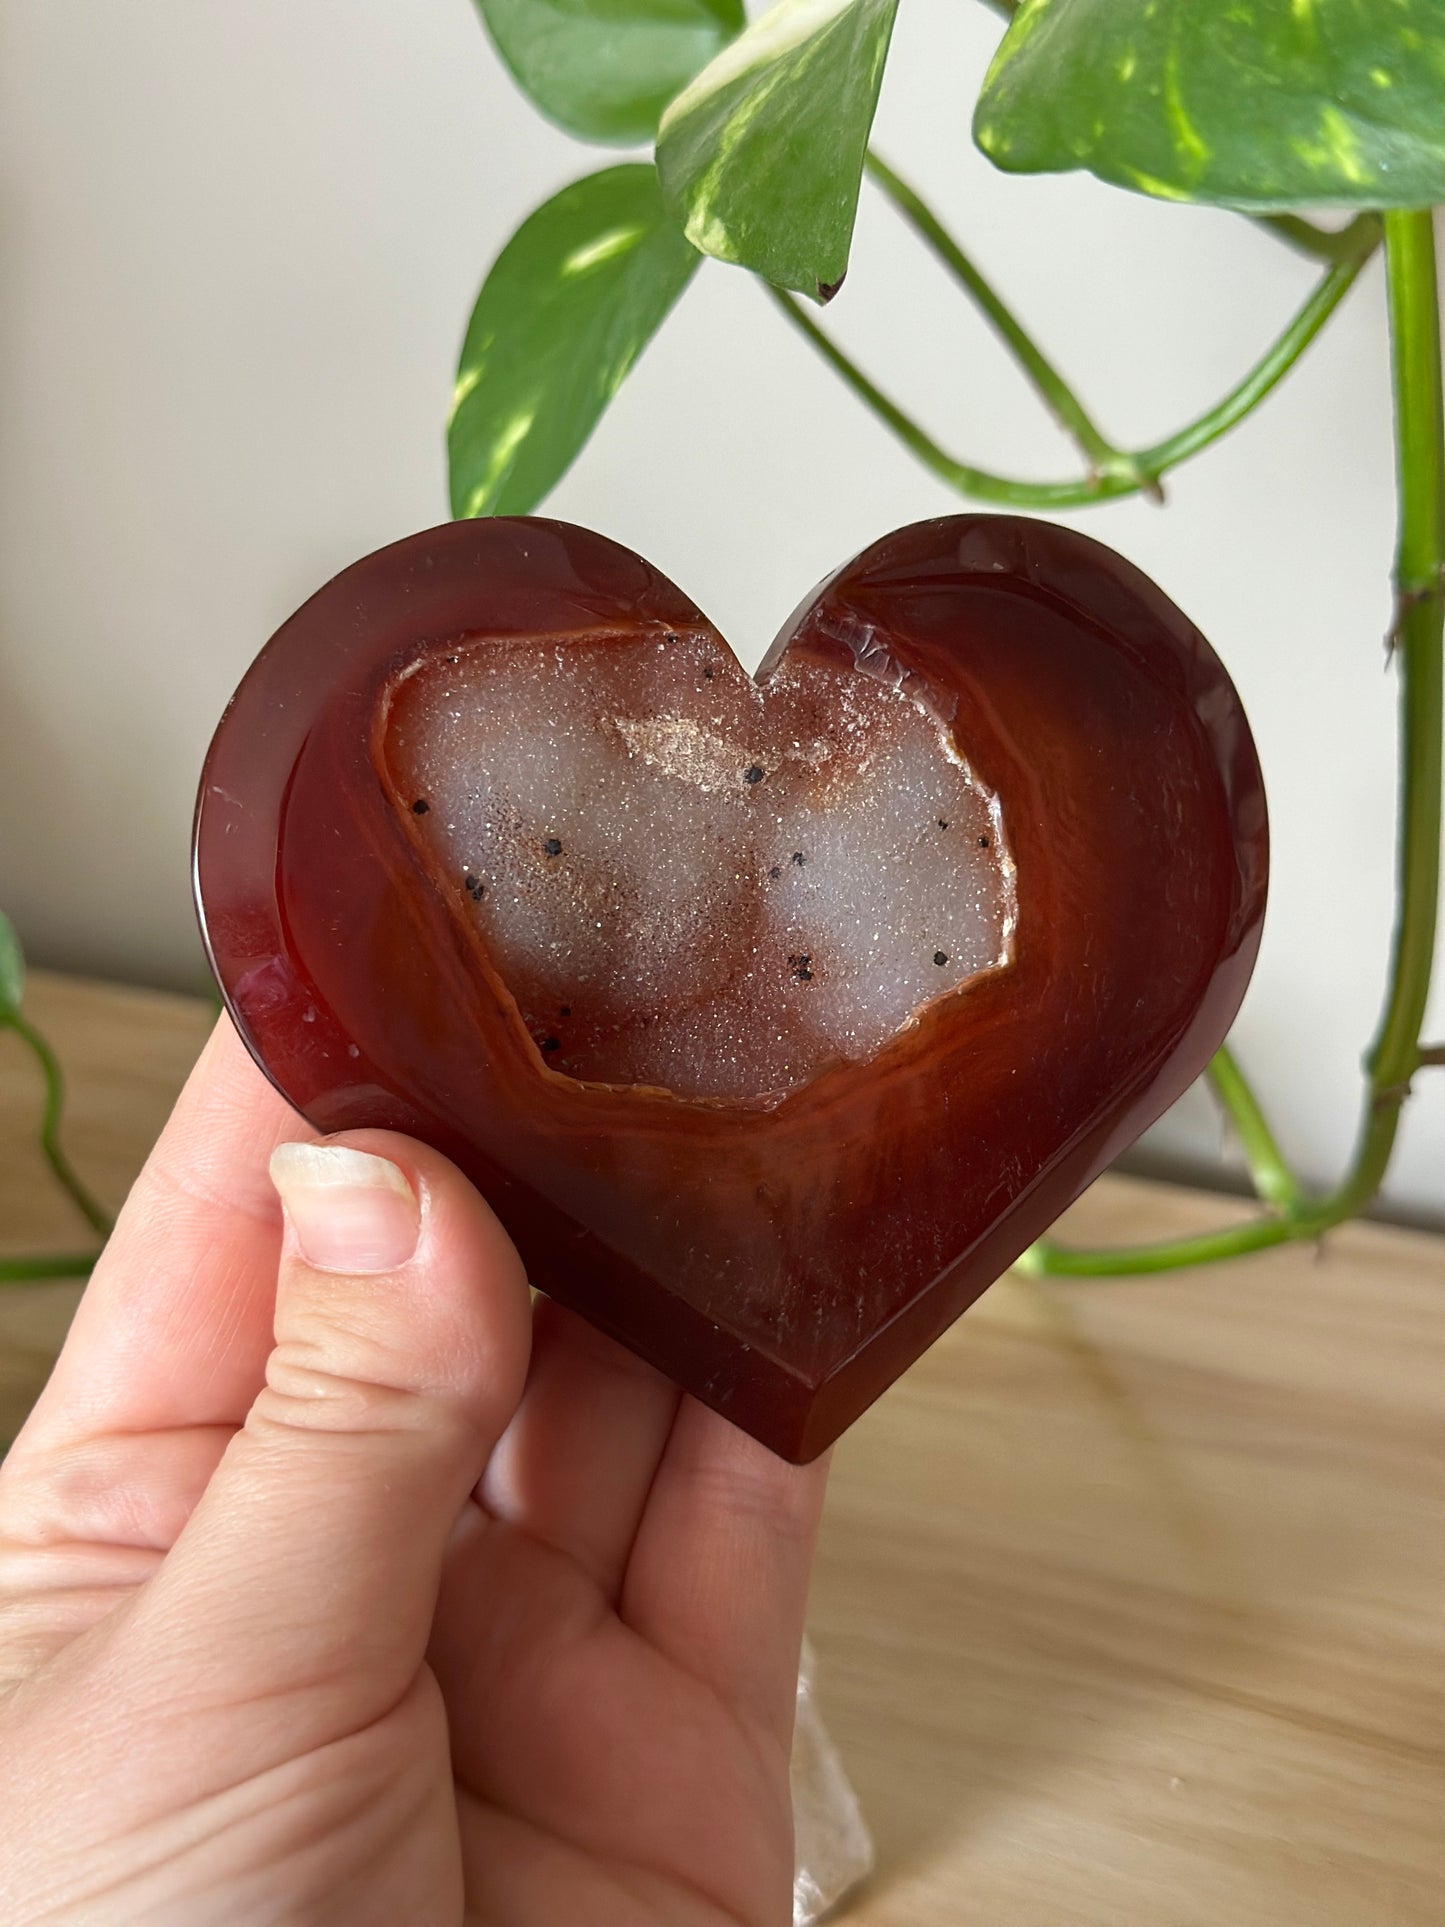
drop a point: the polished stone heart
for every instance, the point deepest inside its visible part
(774, 1018)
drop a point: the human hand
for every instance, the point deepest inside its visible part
(319, 1602)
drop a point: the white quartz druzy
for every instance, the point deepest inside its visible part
(690, 881)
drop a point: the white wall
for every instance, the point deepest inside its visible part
(238, 245)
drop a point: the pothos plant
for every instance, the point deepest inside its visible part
(760, 144)
(1273, 108)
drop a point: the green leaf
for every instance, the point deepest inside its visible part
(12, 970)
(605, 69)
(573, 299)
(1254, 104)
(762, 155)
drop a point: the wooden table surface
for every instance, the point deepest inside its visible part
(1130, 1604)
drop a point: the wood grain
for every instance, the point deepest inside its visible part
(1130, 1604)
(125, 1054)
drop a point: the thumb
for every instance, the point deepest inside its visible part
(309, 1569)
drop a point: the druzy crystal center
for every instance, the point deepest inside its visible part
(689, 880)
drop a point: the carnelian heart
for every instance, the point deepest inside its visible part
(774, 1021)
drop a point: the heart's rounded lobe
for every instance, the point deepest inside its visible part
(779, 1197)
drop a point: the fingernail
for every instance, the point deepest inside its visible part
(350, 1211)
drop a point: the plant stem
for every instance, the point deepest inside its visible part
(1045, 1259)
(1323, 244)
(34, 1271)
(962, 476)
(1274, 1183)
(1131, 473)
(1097, 450)
(1397, 1053)
(1266, 374)
(1394, 1055)
(65, 1173)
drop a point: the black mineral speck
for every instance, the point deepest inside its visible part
(799, 858)
(943, 822)
(552, 847)
(549, 1044)
(474, 887)
(708, 673)
(753, 775)
(775, 871)
(983, 842)
(802, 968)
(940, 957)
(420, 806)
(565, 1010)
